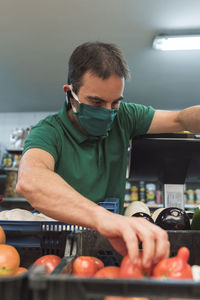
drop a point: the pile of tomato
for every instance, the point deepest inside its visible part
(10, 259)
(175, 267)
(87, 266)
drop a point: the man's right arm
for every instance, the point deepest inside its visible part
(51, 195)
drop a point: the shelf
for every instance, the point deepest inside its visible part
(155, 205)
(9, 169)
(14, 199)
(15, 151)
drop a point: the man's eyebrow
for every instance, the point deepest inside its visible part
(102, 100)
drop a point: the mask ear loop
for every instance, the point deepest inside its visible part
(76, 105)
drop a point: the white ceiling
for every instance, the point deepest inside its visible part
(37, 38)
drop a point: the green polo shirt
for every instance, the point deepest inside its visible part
(94, 166)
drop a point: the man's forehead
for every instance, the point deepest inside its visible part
(92, 84)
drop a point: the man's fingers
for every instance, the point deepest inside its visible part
(119, 245)
(131, 241)
(162, 245)
(148, 247)
(154, 240)
(126, 233)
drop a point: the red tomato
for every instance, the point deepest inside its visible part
(50, 261)
(98, 263)
(130, 270)
(86, 266)
(21, 270)
(122, 298)
(174, 267)
(108, 272)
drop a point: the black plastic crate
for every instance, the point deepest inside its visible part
(62, 285)
(188, 238)
(15, 288)
(33, 240)
(91, 243)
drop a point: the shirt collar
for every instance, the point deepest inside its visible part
(77, 134)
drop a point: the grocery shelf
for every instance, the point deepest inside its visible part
(14, 199)
(15, 151)
(155, 205)
(9, 169)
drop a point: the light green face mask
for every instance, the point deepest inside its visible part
(94, 120)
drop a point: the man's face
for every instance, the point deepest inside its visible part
(102, 93)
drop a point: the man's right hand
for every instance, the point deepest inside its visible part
(125, 233)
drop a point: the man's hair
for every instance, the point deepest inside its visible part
(101, 59)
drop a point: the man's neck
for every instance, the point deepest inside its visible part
(75, 122)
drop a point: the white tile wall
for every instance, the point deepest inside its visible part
(10, 121)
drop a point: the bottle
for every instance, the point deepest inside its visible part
(16, 160)
(190, 196)
(134, 193)
(150, 192)
(142, 194)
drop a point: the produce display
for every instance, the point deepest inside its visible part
(18, 214)
(2, 236)
(10, 259)
(108, 272)
(173, 268)
(50, 262)
(136, 207)
(87, 266)
(173, 218)
(176, 267)
(170, 218)
(196, 220)
(144, 215)
(124, 298)
(156, 213)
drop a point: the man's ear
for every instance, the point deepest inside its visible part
(66, 88)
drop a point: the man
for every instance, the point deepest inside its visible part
(78, 157)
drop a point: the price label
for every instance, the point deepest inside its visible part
(174, 195)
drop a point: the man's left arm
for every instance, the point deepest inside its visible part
(175, 121)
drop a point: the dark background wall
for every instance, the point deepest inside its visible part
(37, 38)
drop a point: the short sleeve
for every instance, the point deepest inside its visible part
(43, 136)
(136, 118)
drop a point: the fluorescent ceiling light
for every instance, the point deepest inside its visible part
(177, 42)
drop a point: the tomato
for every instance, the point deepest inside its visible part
(178, 299)
(108, 272)
(9, 260)
(50, 261)
(99, 264)
(122, 298)
(130, 270)
(86, 266)
(21, 270)
(2, 236)
(174, 267)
